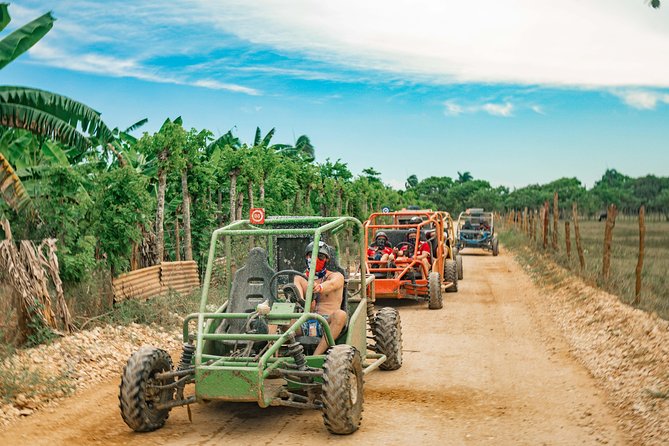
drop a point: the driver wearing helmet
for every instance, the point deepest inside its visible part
(418, 251)
(328, 293)
(381, 250)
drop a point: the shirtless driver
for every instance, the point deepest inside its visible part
(327, 295)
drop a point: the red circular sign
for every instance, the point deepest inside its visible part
(257, 216)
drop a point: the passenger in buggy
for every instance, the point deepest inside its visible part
(381, 249)
(422, 254)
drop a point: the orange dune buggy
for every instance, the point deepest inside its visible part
(402, 274)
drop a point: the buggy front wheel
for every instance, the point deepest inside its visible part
(434, 291)
(342, 389)
(139, 392)
(388, 337)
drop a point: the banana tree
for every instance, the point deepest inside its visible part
(45, 114)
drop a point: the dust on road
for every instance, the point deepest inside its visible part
(488, 369)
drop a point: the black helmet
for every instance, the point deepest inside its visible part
(381, 234)
(411, 231)
(323, 248)
(416, 220)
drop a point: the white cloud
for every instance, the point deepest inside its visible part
(643, 100)
(566, 43)
(116, 67)
(505, 109)
(453, 109)
(216, 85)
(538, 109)
(570, 42)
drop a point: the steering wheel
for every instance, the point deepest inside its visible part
(401, 245)
(290, 286)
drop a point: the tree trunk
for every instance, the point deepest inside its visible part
(240, 206)
(220, 206)
(177, 240)
(339, 201)
(296, 203)
(188, 244)
(233, 195)
(307, 200)
(262, 190)
(160, 215)
(249, 186)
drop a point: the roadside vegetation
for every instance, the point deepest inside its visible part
(625, 248)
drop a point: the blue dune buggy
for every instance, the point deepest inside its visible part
(476, 229)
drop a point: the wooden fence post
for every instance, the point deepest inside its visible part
(608, 238)
(556, 216)
(526, 226)
(639, 263)
(530, 224)
(567, 239)
(545, 225)
(577, 236)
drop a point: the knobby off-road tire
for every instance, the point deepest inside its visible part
(342, 389)
(136, 398)
(388, 337)
(495, 246)
(451, 275)
(434, 291)
(458, 261)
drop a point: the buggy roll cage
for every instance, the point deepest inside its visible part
(431, 219)
(272, 227)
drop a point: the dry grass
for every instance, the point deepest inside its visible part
(655, 281)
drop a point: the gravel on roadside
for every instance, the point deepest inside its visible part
(35, 378)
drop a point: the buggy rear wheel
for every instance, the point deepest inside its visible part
(137, 394)
(388, 337)
(495, 246)
(434, 291)
(451, 275)
(458, 261)
(342, 389)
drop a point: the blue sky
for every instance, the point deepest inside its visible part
(515, 92)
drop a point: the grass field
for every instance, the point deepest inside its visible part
(655, 280)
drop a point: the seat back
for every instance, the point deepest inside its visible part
(396, 236)
(250, 286)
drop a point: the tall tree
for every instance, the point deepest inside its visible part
(167, 146)
(463, 177)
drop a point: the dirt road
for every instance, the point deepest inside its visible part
(487, 369)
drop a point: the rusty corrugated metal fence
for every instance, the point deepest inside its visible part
(157, 280)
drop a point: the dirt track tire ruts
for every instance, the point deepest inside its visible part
(388, 337)
(342, 389)
(136, 398)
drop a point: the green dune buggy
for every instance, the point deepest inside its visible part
(251, 347)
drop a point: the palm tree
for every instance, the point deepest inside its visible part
(463, 177)
(223, 152)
